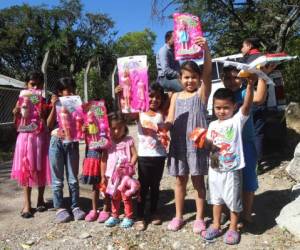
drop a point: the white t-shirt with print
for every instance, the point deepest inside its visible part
(149, 144)
(227, 135)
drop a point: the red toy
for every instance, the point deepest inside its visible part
(198, 136)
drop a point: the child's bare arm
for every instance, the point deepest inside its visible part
(207, 69)
(171, 113)
(52, 116)
(245, 109)
(133, 155)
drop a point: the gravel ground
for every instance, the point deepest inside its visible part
(41, 233)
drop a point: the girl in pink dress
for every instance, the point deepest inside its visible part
(30, 164)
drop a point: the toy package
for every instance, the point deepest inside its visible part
(70, 118)
(186, 28)
(133, 77)
(96, 121)
(30, 104)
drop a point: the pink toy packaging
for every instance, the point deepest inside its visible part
(70, 118)
(133, 77)
(30, 103)
(186, 28)
(96, 121)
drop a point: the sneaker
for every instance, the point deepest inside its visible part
(78, 214)
(112, 221)
(199, 226)
(62, 216)
(91, 216)
(126, 223)
(103, 216)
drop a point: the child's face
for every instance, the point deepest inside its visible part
(34, 84)
(66, 92)
(224, 109)
(117, 130)
(154, 101)
(245, 48)
(190, 80)
(232, 81)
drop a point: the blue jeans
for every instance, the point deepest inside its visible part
(64, 156)
(172, 85)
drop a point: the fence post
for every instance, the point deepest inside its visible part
(44, 71)
(85, 81)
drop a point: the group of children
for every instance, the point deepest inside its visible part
(226, 138)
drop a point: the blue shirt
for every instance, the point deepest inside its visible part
(166, 64)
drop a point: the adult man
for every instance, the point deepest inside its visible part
(167, 67)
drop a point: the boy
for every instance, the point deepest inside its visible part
(225, 176)
(63, 156)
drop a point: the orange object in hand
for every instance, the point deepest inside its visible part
(198, 136)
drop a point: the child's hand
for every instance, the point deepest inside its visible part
(54, 99)
(16, 111)
(202, 42)
(118, 89)
(252, 79)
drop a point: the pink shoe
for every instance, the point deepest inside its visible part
(91, 216)
(199, 226)
(103, 216)
(175, 224)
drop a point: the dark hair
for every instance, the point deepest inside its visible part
(190, 66)
(65, 83)
(119, 118)
(168, 35)
(227, 70)
(155, 88)
(224, 94)
(253, 41)
(35, 76)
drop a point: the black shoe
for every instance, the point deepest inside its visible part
(26, 215)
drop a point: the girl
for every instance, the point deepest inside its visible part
(188, 111)
(151, 154)
(122, 148)
(64, 156)
(30, 165)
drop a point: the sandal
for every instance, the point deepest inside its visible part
(211, 233)
(103, 216)
(41, 207)
(126, 223)
(112, 221)
(91, 216)
(175, 224)
(62, 216)
(26, 215)
(155, 220)
(199, 226)
(140, 225)
(232, 237)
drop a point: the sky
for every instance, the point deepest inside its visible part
(128, 15)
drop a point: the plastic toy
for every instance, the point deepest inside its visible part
(164, 138)
(255, 66)
(133, 77)
(186, 29)
(30, 104)
(198, 136)
(129, 186)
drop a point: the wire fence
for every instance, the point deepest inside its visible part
(8, 100)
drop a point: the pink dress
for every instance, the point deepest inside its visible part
(31, 164)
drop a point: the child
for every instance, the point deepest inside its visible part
(151, 154)
(122, 148)
(188, 111)
(250, 182)
(63, 156)
(225, 177)
(30, 165)
(94, 166)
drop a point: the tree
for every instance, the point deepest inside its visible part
(138, 43)
(227, 23)
(72, 37)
